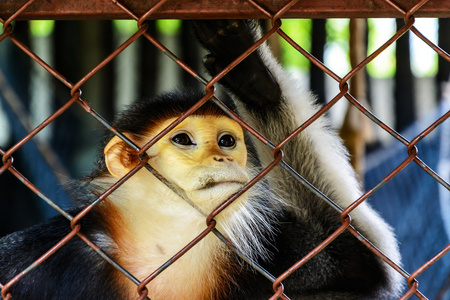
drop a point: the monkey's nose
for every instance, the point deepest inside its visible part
(222, 158)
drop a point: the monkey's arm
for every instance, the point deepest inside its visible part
(276, 105)
(70, 273)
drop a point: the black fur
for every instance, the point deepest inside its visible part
(75, 271)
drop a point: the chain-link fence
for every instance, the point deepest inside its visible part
(32, 10)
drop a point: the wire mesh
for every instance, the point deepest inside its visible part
(75, 98)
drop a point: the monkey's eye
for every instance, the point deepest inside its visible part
(182, 139)
(227, 141)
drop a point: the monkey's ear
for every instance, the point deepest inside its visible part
(119, 157)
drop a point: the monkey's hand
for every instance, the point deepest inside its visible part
(251, 81)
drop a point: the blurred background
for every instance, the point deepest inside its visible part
(406, 87)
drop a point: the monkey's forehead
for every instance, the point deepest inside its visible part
(200, 122)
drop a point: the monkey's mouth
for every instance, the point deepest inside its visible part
(213, 184)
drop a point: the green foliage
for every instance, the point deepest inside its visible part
(338, 32)
(300, 32)
(336, 54)
(168, 27)
(384, 65)
(125, 26)
(41, 28)
(424, 60)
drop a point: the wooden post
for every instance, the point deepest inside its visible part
(356, 130)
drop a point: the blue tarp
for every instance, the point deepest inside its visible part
(416, 205)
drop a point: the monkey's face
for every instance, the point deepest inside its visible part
(204, 155)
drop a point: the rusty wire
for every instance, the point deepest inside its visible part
(275, 17)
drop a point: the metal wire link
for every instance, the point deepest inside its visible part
(74, 98)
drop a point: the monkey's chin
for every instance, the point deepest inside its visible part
(211, 196)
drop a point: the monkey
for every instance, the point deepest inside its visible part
(206, 159)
